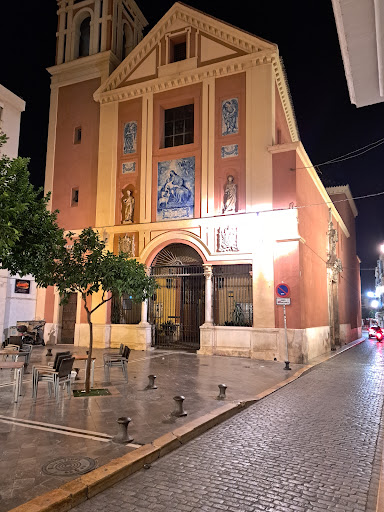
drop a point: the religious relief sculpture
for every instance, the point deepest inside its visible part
(227, 239)
(230, 196)
(128, 207)
(130, 137)
(127, 245)
(230, 116)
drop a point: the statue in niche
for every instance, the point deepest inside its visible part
(230, 195)
(127, 245)
(128, 207)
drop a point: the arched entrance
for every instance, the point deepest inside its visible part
(177, 309)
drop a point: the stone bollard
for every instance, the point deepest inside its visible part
(223, 389)
(179, 411)
(151, 384)
(49, 352)
(123, 437)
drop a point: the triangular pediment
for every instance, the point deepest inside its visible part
(209, 41)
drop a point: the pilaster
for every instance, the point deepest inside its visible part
(51, 143)
(106, 176)
(208, 147)
(260, 115)
(146, 157)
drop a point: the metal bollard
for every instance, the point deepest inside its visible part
(151, 384)
(223, 389)
(179, 411)
(49, 352)
(123, 437)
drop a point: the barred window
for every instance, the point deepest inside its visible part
(178, 126)
(232, 295)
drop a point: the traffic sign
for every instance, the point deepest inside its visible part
(282, 290)
(283, 301)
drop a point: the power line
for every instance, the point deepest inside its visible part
(346, 156)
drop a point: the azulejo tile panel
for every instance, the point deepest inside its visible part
(230, 116)
(176, 189)
(128, 167)
(229, 151)
(130, 138)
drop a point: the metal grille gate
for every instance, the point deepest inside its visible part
(177, 308)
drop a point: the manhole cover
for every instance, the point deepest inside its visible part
(66, 466)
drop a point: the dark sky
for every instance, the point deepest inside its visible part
(306, 34)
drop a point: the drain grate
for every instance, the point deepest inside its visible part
(66, 466)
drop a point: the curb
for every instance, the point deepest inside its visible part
(77, 491)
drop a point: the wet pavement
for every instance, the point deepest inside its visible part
(315, 445)
(34, 434)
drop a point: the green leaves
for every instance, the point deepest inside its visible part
(85, 266)
(29, 236)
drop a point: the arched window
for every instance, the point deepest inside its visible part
(85, 32)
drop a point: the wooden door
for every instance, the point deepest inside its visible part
(68, 320)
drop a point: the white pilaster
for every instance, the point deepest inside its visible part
(51, 143)
(208, 295)
(208, 147)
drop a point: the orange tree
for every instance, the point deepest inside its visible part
(86, 267)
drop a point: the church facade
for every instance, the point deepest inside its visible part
(181, 148)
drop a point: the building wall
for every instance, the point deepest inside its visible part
(76, 164)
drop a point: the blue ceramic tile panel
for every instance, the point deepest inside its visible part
(229, 151)
(130, 137)
(176, 189)
(230, 116)
(129, 167)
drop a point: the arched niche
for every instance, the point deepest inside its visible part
(82, 34)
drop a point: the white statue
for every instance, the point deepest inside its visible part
(128, 208)
(230, 195)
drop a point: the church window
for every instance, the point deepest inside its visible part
(1, 114)
(85, 32)
(77, 135)
(75, 197)
(178, 47)
(179, 126)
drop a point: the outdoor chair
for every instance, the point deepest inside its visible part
(26, 351)
(113, 351)
(36, 370)
(116, 360)
(55, 378)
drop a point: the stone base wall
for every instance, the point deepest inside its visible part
(347, 334)
(264, 344)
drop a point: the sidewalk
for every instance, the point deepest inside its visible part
(35, 434)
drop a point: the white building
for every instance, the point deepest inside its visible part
(17, 293)
(360, 27)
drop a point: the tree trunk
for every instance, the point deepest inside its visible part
(89, 360)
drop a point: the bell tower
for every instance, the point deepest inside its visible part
(93, 37)
(87, 28)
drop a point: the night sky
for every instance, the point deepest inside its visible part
(305, 32)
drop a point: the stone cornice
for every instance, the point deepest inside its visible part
(286, 101)
(228, 67)
(344, 189)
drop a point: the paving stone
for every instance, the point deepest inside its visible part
(309, 447)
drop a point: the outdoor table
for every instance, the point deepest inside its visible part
(80, 357)
(13, 353)
(18, 379)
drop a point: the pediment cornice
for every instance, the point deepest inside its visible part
(179, 12)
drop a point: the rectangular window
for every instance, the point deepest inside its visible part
(77, 135)
(178, 126)
(1, 114)
(75, 197)
(180, 51)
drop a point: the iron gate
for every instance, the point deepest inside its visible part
(177, 308)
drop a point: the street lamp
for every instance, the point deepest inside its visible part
(375, 304)
(370, 294)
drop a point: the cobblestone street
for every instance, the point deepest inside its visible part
(312, 446)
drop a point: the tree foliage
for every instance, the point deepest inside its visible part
(86, 267)
(29, 235)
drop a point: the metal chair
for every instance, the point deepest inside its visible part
(13, 352)
(55, 378)
(26, 351)
(116, 360)
(36, 370)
